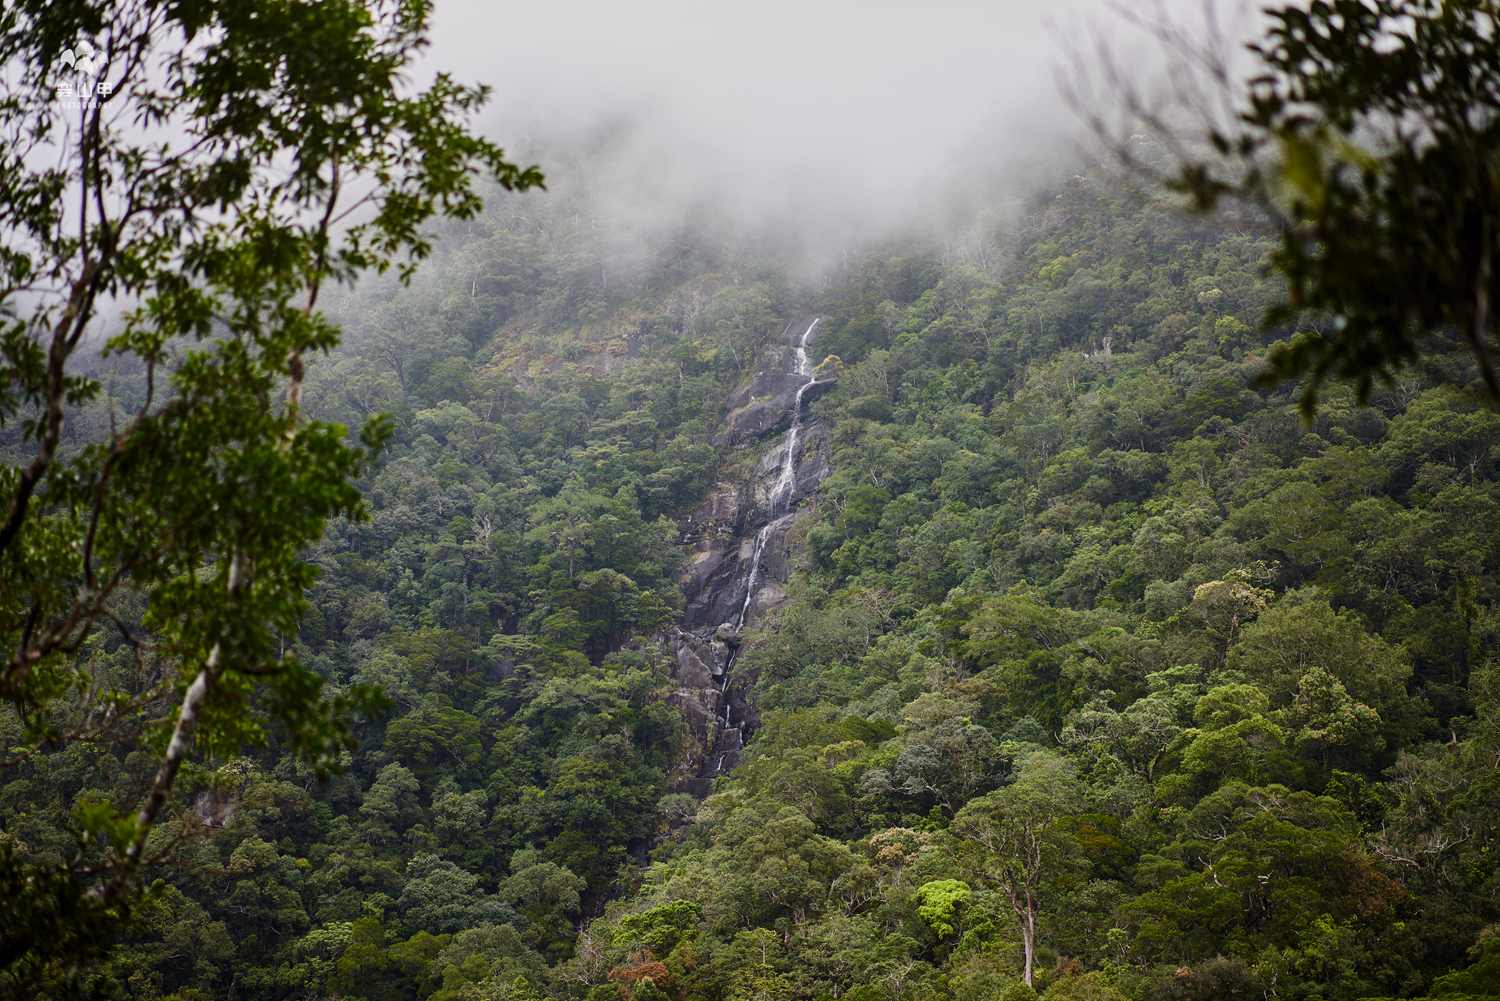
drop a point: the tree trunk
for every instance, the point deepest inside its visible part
(1028, 940)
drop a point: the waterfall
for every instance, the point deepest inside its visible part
(786, 482)
(784, 485)
(760, 543)
(777, 513)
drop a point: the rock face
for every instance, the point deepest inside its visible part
(739, 544)
(724, 533)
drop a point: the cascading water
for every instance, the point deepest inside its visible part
(780, 495)
(708, 639)
(789, 466)
(760, 543)
(786, 482)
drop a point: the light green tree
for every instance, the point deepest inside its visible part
(940, 903)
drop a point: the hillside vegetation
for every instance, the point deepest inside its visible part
(1099, 668)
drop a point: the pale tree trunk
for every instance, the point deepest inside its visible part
(1023, 906)
(177, 751)
(1028, 939)
(1020, 893)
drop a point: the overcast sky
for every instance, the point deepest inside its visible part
(781, 103)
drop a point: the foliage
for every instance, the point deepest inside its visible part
(164, 549)
(1095, 664)
(1369, 135)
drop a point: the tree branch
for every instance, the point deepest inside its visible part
(193, 701)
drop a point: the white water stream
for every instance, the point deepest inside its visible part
(780, 494)
(786, 483)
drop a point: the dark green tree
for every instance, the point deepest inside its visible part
(303, 161)
(1370, 135)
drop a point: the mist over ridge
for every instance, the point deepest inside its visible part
(837, 118)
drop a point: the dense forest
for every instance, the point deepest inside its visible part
(1095, 670)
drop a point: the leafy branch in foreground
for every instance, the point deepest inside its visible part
(216, 168)
(1369, 137)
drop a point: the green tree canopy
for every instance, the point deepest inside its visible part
(304, 160)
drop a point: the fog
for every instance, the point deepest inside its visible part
(826, 111)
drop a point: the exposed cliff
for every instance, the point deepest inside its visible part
(740, 543)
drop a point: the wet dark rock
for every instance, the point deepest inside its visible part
(692, 672)
(698, 788)
(740, 546)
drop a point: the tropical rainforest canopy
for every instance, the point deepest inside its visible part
(1099, 670)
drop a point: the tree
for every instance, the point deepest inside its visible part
(1138, 737)
(564, 520)
(1272, 866)
(1371, 136)
(774, 867)
(940, 902)
(542, 888)
(1224, 604)
(944, 753)
(490, 951)
(1302, 632)
(391, 802)
(1329, 717)
(434, 737)
(299, 159)
(1008, 838)
(439, 897)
